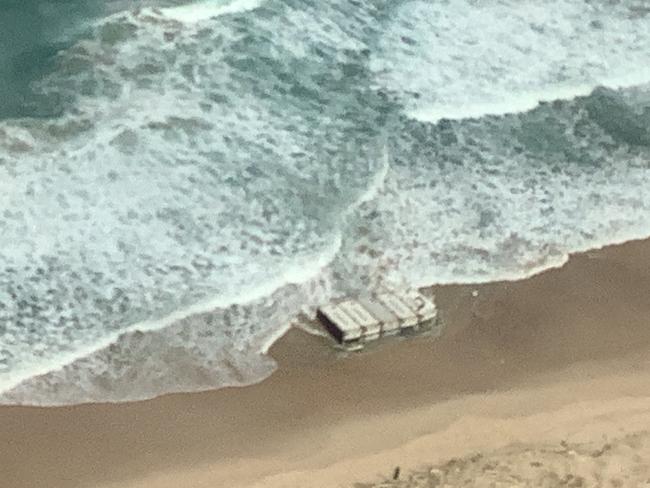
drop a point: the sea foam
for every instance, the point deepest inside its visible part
(201, 11)
(461, 60)
(214, 176)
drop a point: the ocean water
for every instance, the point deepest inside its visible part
(178, 181)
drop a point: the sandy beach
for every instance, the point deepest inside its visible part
(551, 371)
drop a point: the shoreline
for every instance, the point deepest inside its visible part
(507, 355)
(203, 307)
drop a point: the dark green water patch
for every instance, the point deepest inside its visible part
(31, 33)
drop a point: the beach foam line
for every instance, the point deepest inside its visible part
(301, 271)
(375, 186)
(555, 263)
(524, 102)
(197, 12)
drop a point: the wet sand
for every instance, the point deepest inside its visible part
(562, 356)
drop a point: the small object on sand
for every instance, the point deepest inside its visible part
(356, 321)
(396, 473)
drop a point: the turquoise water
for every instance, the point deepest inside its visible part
(179, 180)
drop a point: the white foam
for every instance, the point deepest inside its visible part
(300, 271)
(63, 183)
(523, 102)
(376, 183)
(466, 60)
(428, 222)
(173, 183)
(201, 11)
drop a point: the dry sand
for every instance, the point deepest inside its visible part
(521, 367)
(614, 463)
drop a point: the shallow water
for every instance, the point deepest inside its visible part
(179, 181)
